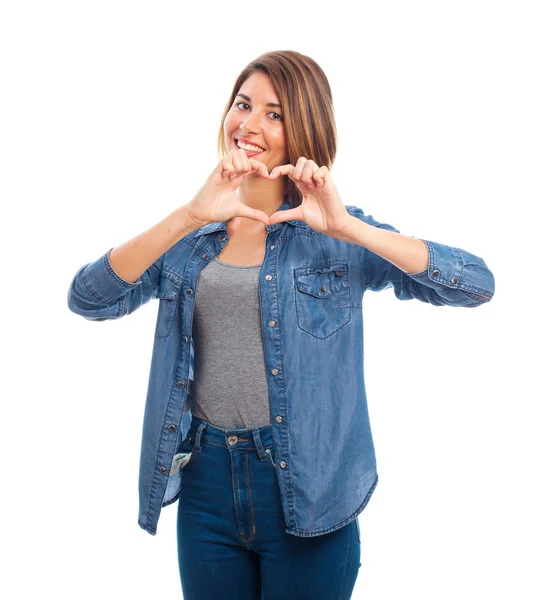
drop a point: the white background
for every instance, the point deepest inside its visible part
(446, 129)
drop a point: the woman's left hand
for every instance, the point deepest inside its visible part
(321, 208)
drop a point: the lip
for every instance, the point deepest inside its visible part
(246, 141)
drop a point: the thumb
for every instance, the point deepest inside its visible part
(252, 213)
(286, 215)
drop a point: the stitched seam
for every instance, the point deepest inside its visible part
(246, 456)
(235, 493)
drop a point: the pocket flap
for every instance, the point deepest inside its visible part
(168, 289)
(322, 282)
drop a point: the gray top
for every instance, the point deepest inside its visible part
(231, 389)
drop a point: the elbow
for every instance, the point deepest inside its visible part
(92, 310)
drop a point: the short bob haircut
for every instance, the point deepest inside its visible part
(307, 110)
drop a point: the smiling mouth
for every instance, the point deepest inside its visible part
(239, 147)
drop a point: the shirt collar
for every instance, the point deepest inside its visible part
(221, 225)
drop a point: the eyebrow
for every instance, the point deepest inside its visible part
(269, 104)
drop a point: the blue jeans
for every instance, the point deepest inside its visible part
(231, 538)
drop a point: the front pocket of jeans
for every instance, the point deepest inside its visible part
(186, 453)
(322, 299)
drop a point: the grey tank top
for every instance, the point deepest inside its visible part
(230, 386)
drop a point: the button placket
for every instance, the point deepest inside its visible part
(275, 371)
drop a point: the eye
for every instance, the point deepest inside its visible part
(272, 113)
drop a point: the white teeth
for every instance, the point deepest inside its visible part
(249, 147)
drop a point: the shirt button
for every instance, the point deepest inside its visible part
(272, 247)
(272, 323)
(268, 277)
(323, 289)
(274, 371)
(454, 280)
(435, 273)
(163, 470)
(171, 428)
(232, 440)
(278, 419)
(185, 339)
(222, 238)
(189, 292)
(206, 256)
(180, 384)
(283, 464)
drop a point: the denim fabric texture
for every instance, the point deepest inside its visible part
(311, 291)
(231, 533)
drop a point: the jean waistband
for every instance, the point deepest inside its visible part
(233, 438)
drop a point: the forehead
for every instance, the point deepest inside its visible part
(258, 86)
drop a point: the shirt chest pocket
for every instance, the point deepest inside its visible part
(167, 295)
(322, 298)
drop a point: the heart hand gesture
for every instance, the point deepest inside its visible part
(322, 208)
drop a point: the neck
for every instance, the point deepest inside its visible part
(262, 194)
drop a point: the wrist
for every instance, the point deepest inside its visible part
(189, 221)
(347, 231)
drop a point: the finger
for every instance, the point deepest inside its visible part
(320, 176)
(237, 159)
(307, 172)
(296, 175)
(281, 170)
(246, 167)
(227, 167)
(259, 167)
(234, 165)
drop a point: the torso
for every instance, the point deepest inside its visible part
(244, 247)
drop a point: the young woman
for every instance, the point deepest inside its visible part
(256, 416)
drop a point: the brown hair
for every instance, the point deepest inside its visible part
(308, 111)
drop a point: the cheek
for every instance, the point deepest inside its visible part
(230, 124)
(277, 142)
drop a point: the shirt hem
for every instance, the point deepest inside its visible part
(148, 528)
(307, 533)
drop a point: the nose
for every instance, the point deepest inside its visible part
(251, 123)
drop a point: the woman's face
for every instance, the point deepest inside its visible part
(250, 117)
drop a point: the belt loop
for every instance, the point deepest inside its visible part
(260, 448)
(198, 436)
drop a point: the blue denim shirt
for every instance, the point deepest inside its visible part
(311, 299)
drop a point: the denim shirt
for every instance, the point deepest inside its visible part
(311, 299)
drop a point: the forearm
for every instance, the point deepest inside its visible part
(409, 254)
(132, 258)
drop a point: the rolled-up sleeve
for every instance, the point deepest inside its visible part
(98, 293)
(453, 277)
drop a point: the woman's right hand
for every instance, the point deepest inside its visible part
(218, 199)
